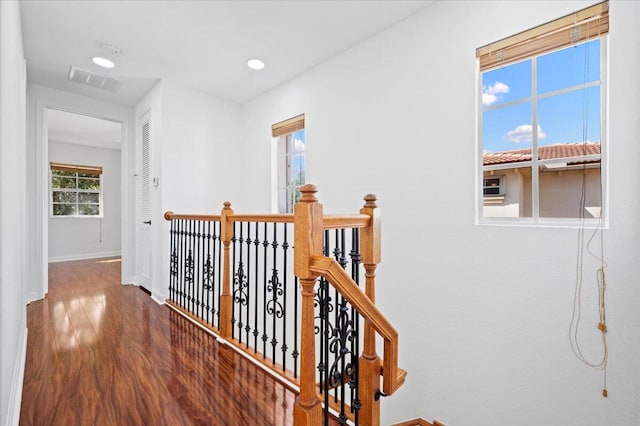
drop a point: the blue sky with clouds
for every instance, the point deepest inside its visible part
(562, 118)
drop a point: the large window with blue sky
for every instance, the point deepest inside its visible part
(542, 122)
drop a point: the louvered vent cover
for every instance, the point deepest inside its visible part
(92, 79)
(145, 205)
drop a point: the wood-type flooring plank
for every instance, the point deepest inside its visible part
(102, 353)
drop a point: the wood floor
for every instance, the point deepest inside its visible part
(100, 353)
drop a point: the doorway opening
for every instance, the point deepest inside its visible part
(84, 188)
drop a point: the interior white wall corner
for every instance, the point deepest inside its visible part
(13, 204)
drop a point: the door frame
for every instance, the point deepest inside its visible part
(45, 99)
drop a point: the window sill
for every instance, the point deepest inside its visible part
(77, 217)
(569, 223)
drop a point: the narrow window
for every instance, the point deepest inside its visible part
(290, 165)
(542, 127)
(76, 191)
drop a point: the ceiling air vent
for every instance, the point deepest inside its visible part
(92, 79)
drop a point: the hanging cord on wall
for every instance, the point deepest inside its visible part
(600, 272)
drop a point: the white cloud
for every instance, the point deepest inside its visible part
(524, 133)
(298, 145)
(490, 93)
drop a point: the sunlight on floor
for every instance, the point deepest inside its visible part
(70, 330)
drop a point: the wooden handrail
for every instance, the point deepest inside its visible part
(331, 270)
(269, 218)
(208, 217)
(328, 221)
(335, 221)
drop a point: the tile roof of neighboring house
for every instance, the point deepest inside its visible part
(563, 150)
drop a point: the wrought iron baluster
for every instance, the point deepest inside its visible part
(274, 285)
(179, 265)
(338, 302)
(233, 289)
(199, 287)
(219, 248)
(187, 251)
(183, 256)
(355, 275)
(240, 283)
(256, 243)
(190, 265)
(265, 245)
(284, 347)
(247, 327)
(322, 330)
(207, 282)
(173, 271)
(296, 353)
(183, 260)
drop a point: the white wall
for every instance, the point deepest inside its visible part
(196, 157)
(483, 311)
(38, 101)
(13, 204)
(86, 238)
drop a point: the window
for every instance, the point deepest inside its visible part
(76, 191)
(290, 167)
(542, 122)
(492, 186)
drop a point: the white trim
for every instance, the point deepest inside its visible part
(84, 256)
(15, 397)
(543, 222)
(158, 298)
(44, 98)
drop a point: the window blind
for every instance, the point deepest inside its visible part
(74, 168)
(579, 26)
(288, 126)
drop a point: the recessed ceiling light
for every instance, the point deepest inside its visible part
(103, 62)
(255, 64)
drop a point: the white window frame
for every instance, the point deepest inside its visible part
(286, 185)
(536, 220)
(77, 191)
(283, 176)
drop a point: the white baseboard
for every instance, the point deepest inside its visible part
(15, 397)
(32, 297)
(83, 256)
(160, 299)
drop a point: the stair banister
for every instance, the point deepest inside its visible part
(310, 261)
(226, 300)
(308, 243)
(369, 363)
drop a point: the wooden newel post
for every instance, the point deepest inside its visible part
(369, 363)
(307, 214)
(226, 299)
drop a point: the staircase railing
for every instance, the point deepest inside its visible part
(284, 289)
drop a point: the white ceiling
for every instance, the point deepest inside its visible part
(83, 130)
(200, 44)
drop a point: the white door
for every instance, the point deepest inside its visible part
(143, 205)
